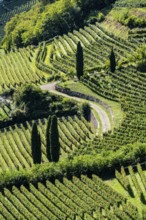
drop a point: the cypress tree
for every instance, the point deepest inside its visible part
(86, 111)
(79, 61)
(36, 145)
(54, 140)
(112, 61)
(48, 152)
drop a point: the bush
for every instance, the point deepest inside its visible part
(127, 18)
(30, 102)
(94, 17)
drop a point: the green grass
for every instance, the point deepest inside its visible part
(115, 106)
(114, 183)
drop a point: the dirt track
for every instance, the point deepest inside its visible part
(106, 126)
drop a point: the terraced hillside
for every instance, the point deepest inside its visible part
(138, 35)
(130, 3)
(127, 19)
(17, 68)
(130, 181)
(71, 189)
(97, 44)
(68, 199)
(125, 82)
(15, 141)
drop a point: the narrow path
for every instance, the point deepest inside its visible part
(106, 126)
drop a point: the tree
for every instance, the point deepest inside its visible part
(48, 150)
(79, 61)
(36, 145)
(86, 111)
(54, 140)
(112, 61)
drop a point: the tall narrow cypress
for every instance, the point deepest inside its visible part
(79, 61)
(112, 61)
(48, 150)
(54, 140)
(36, 145)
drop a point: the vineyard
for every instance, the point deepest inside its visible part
(137, 36)
(130, 3)
(93, 39)
(126, 81)
(130, 181)
(18, 68)
(15, 141)
(93, 107)
(82, 198)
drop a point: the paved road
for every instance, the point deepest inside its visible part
(106, 126)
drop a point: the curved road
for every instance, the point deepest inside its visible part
(106, 126)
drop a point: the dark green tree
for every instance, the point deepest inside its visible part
(86, 111)
(79, 61)
(36, 145)
(112, 61)
(54, 140)
(48, 150)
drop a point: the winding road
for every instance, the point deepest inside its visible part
(106, 126)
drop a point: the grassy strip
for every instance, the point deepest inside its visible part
(114, 183)
(87, 164)
(115, 106)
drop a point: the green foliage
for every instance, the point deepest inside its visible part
(48, 147)
(73, 131)
(31, 102)
(86, 111)
(128, 17)
(95, 163)
(36, 145)
(79, 61)
(137, 58)
(25, 29)
(130, 3)
(28, 96)
(31, 99)
(100, 17)
(112, 61)
(54, 140)
(95, 16)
